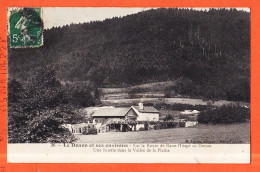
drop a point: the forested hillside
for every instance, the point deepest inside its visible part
(210, 50)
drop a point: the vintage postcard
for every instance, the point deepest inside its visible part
(128, 85)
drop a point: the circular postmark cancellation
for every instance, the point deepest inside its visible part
(25, 27)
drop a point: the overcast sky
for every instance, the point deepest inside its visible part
(59, 16)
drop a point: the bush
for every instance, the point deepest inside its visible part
(165, 125)
(224, 115)
(90, 131)
(141, 129)
(169, 117)
(181, 124)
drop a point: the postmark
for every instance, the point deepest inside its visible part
(25, 27)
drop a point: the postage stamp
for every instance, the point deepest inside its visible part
(25, 27)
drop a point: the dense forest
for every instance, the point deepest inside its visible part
(209, 50)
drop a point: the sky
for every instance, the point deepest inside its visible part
(63, 16)
(59, 16)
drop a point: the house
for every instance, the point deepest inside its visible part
(124, 119)
(134, 113)
(145, 113)
(105, 115)
(109, 119)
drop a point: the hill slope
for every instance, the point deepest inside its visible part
(211, 50)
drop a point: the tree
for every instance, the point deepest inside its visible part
(224, 115)
(15, 89)
(38, 116)
(97, 95)
(80, 94)
(169, 117)
(97, 75)
(82, 98)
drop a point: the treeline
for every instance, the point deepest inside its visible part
(38, 108)
(210, 50)
(224, 115)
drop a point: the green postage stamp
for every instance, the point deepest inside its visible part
(25, 27)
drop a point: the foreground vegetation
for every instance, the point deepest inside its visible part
(38, 108)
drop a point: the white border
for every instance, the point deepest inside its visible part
(45, 153)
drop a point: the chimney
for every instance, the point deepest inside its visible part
(141, 105)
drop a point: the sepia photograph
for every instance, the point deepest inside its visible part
(131, 75)
(128, 76)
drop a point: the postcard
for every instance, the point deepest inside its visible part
(128, 85)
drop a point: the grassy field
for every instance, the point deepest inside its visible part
(169, 101)
(154, 87)
(227, 133)
(153, 93)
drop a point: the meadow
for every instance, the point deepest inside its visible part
(216, 134)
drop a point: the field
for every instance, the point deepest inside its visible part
(227, 133)
(154, 87)
(153, 93)
(118, 102)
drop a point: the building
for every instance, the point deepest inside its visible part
(134, 113)
(190, 123)
(124, 119)
(109, 119)
(105, 115)
(188, 118)
(190, 112)
(190, 115)
(145, 113)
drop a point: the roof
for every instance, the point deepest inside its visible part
(109, 112)
(92, 110)
(147, 109)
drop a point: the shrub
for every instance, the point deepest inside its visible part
(90, 131)
(171, 124)
(169, 117)
(165, 125)
(141, 129)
